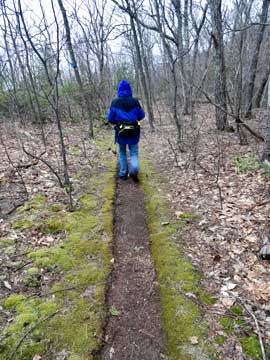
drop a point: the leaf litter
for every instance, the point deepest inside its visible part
(231, 205)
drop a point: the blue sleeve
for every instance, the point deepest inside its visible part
(111, 115)
(141, 113)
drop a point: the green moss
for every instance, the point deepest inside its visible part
(10, 250)
(27, 215)
(247, 163)
(228, 324)
(186, 216)
(87, 202)
(74, 357)
(30, 314)
(75, 150)
(25, 319)
(6, 242)
(207, 299)
(81, 221)
(36, 203)
(251, 346)
(51, 257)
(85, 276)
(237, 310)
(82, 260)
(73, 329)
(32, 278)
(176, 276)
(47, 308)
(23, 224)
(220, 339)
(33, 271)
(56, 207)
(53, 225)
(13, 301)
(240, 322)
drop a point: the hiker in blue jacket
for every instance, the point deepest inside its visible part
(126, 112)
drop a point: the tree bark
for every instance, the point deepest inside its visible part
(172, 63)
(76, 70)
(147, 76)
(140, 65)
(266, 147)
(255, 57)
(260, 91)
(219, 64)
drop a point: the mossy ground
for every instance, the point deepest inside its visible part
(71, 314)
(179, 285)
(178, 279)
(235, 324)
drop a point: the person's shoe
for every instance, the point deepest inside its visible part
(124, 177)
(134, 177)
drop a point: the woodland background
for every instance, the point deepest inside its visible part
(201, 71)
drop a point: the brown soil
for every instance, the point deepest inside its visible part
(133, 329)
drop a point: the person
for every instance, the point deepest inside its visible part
(125, 113)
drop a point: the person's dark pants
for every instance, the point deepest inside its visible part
(134, 160)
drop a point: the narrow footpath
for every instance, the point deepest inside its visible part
(133, 330)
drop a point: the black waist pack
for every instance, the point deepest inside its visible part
(127, 129)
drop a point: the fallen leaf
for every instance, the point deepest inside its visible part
(111, 352)
(7, 285)
(227, 301)
(194, 340)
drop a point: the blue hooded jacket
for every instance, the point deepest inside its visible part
(125, 108)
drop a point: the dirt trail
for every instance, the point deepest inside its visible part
(134, 328)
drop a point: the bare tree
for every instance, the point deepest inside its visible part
(130, 9)
(251, 75)
(219, 63)
(266, 148)
(76, 70)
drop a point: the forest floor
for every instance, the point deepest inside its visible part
(216, 195)
(220, 192)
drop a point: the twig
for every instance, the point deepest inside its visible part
(262, 203)
(15, 167)
(174, 153)
(21, 254)
(32, 328)
(27, 166)
(15, 207)
(150, 335)
(264, 355)
(236, 118)
(52, 292)
(46, 163)
(24, 265)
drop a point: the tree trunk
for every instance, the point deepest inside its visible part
(260, 91)
(172, 64)
(147, 76)
(219, 64)
(255, 57)
(36, 105)
(140, 65)
(266, 147)
(76, 70)
(180, 50)
(186, 60)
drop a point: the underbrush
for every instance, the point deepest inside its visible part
(55, 304)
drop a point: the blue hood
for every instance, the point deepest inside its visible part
(124, 89)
